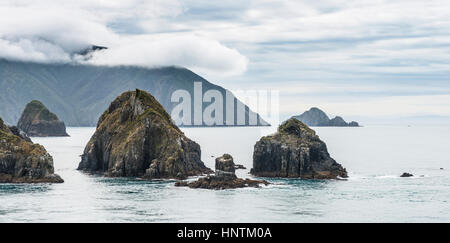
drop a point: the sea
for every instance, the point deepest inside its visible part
(374, 156)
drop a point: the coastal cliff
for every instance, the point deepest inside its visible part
(38, 121)
(21, 161)
(136, 137)
(295, 151)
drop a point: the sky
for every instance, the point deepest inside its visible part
(373, 61)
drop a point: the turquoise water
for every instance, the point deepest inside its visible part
(374, 157)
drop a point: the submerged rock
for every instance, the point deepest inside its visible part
(38, 121)
(406, 175)
(21, 161)
(295, 151)
(135, 137)
(225, 177)
(217, 183)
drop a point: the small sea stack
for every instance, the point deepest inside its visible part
(21, 161)
(38, 121)
(136, 137)
(295, 151)
(224, 178)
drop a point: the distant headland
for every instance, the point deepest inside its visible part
(315, 117)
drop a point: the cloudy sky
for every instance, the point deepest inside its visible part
(374, 60)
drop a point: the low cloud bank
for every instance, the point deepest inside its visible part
(50, 33)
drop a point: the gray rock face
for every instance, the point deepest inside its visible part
(38, 121)
(353, 124)
(317, 118)
(314, 117)
(135, 137)
(295, 151)
(225, 166)
(338, 122)
(16, 131)
(21, 161)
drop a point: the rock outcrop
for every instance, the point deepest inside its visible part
(295, 151)
(16, 131)
(317, 118)
(38, 121)
(240, 167)
(21, 161)
(135, 137)
(407, 175)
(225, 167)
(224, 178)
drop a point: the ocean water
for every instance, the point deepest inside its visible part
(373, 156)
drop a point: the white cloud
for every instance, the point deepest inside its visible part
(197, 53)
(52, 31)
(372, 46)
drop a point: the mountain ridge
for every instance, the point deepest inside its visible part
(79, 93)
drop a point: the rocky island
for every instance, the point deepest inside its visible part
(21, 161)
(38, 121)
(295, 151)
(224, 178)
(315, 117)
(136, 137)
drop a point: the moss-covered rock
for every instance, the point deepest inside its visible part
(295, 151)
(136, 137)
(38, 121)
(21, 161)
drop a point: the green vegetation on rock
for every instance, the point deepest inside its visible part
(22, 161)
(135, 137)
(295, 151)
(38, 121)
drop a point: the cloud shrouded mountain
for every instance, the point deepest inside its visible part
(79, 94)
(395, 51)
(53, 31)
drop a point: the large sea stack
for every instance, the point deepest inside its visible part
(21, 161)
(38, 121)
(295, 151)
(135, 137)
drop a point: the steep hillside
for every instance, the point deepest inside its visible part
(80, 93)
